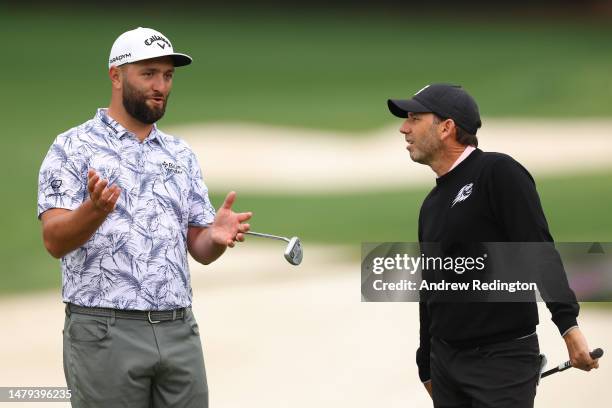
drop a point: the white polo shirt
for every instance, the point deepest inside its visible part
(137, 259)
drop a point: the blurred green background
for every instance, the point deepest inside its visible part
(329, 70)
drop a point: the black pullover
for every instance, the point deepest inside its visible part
(501, 205)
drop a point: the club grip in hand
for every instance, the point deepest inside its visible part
(597, 353)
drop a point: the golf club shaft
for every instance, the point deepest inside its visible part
(597, 353)
(259, 234)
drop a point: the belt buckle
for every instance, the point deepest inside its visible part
(150, 320)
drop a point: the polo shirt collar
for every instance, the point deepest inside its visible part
(119, 131)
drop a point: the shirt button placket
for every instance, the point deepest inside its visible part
(139, 165)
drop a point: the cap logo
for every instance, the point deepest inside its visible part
(422, 89)
(155, 39)
(119, 57)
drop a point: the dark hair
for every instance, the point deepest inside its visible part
(463, 137)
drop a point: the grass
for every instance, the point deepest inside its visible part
(392, 216)
(328, 71)
(316, 71)
(352, 218)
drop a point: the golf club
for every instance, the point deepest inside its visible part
(293, 252)
(597, 353)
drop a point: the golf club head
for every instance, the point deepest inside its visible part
(294, 251)
(543, 362)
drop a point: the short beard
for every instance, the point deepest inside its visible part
(430, 147)
(135, 103)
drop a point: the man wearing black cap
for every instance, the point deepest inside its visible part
(477, 354)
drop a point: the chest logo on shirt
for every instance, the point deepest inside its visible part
(463, 194)
(172, 167)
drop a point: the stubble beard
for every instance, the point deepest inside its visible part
(428, 148)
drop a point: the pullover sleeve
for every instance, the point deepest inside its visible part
(516, 205)
(422, 353)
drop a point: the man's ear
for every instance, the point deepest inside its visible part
(116, 76)
(447, 128)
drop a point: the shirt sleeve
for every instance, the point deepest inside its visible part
(516, 204)
(62, 179)
(201, 211)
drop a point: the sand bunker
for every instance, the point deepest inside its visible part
(257, 158)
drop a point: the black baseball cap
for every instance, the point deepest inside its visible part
(446, 101)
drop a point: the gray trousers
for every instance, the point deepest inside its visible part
(114, 362)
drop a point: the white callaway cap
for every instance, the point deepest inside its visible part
(143, 43)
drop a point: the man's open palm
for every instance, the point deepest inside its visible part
(228, 226)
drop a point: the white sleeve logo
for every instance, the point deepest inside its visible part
(463, 194)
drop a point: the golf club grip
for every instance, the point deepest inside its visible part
(597, 353)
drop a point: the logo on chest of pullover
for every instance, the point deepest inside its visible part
(463, 194)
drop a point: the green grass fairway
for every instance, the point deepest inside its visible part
(322, 71)
(332, 71)
(573, 214)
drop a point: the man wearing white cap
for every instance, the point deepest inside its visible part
(121, 203)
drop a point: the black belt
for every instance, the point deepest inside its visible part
(151, 316)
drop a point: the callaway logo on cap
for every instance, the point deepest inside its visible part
(143, 43)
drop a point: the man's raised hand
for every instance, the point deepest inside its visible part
(229, 226)
(103, 197)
